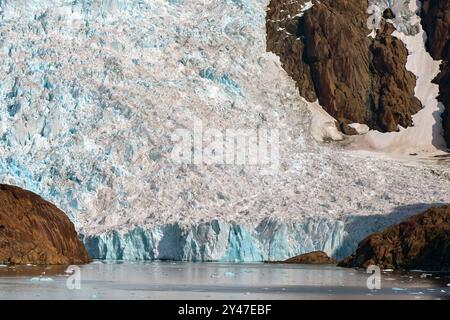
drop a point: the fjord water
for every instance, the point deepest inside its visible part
(180, 280)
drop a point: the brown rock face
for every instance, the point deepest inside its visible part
(327, 51)
(421, 242)
(316, 257)
(435, 16)
(33, 230)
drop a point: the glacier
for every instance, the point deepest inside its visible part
(218, 240)
(91, 92)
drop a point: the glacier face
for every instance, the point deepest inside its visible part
(219, 241)
(92, 91)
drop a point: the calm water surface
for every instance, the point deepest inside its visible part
(170, 280)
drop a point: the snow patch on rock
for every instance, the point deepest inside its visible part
(425, 137)
(403, 10)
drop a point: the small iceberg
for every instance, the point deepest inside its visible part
(229, 274)
(41, 279)
(416, 293)
(399, 289)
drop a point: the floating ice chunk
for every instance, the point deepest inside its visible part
(46, 279)
(41, 279)
(399, 289)
(229, 274)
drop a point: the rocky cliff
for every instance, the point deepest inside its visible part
(435, 16)
(324, 46)
(420, 242)
(33, 230)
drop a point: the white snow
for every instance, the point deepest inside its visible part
(308, 5)
(359, 127)
(323, 126)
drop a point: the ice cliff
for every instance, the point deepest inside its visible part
(219, 241)
(91, 93)
(270, 240)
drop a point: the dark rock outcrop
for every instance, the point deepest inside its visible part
(316, 257)
(435, 16)
(327, 51)
(35, 231)
(420, 242)
(388, 14)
